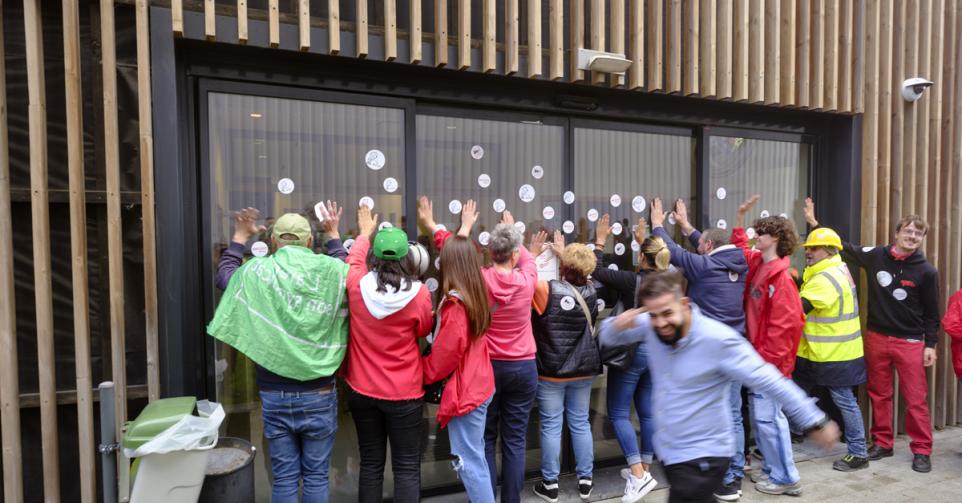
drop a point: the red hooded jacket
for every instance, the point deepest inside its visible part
(952, 323)
(773, 309)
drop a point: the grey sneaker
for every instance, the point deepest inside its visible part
(769, 487)
(850, 463)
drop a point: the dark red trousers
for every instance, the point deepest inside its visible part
(882, 354)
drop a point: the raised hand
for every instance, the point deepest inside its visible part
(558, 243)
(537, 242)
(657, 214)
(506, 218)
(366, 221)
(602, 230)
(332, 219)
(426, 215)
(245, 224)
(641, 232)
(744, 208)
(809, 211)
(681, 216)
(469, 215)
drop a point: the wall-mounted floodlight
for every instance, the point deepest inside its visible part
(913, 88)
(604, 62)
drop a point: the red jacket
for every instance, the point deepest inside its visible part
(952, 323)
(383, 359)
(456, 350)
(773, 309)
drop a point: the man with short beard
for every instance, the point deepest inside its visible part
(902, 330)
(693, 361)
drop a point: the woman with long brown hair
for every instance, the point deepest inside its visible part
(460, 353)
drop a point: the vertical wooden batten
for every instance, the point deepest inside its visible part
(11, 453)
(512, 50)
(803, 34)
(817, 44)
(636, 44)
(534, 39)
(78, 251)
(242, 32)
(756, 51)
(724, 35)
(707, 48)
(673, 51)
(831, 48)
(145, 121)
(773, 51)
(870, 137)
(846, 56)
(655, 45)
(304, 27)
(576, 38)
(489, 50)
(115, 251)
(885, 117)
(40, 220)
(361, 29)
(740, 51)
(597, 34)
(415, 32)
(690, 71)
(464, 34)
(177, 17)
(390, 30)
(556, 51)
(440, 33)
(786, 70)
(923, 110)
(333, 27)
(616, 41)
(910, 129)
(273, 25)
(210, 20)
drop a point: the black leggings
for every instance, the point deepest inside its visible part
(696, 480)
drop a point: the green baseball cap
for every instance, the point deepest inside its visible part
(292, 224)
(391, 244)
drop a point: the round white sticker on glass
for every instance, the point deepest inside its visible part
(600, 304)
(454, 206)
(569, 197)
(432, 284)
(537, 172)
(635, 246)
(613, 267)
(440, 227)
(721, 224)
(721, 193)
(568, 227)
(616, 229)
(567, 303)
(764, 214)
(285, 185)
(484, 180)
(385, 225)
(620, 249)
(547, 212)
(638, 204)
(526, 193)
(671, 219)
(390, 184)
(348, 243)
(884, 278)
(592, 215)
(259, 249)
(366, 201)
(477, 152)
(899, 294)
(498, 205)
(484, 238)
(374, 159)
(750, 232)
(615, 200)
(520, 226)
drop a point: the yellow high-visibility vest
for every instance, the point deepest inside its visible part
(832, 330)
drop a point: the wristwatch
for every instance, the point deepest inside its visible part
(817, 426)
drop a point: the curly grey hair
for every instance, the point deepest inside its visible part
(505, 240)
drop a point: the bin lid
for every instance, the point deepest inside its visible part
(156, 417)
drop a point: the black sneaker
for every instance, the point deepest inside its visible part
(876, 453)
(850, 463)
(584, 487)
(729, 492)
(921, 463)
(547, 490)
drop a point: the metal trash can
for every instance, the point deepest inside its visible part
(230, 472)
(172, 476)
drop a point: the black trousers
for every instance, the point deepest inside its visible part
(694, 481)
(377, 422)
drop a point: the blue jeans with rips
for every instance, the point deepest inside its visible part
(845, 400)
(632, 385)
(556, 400)
(774, 439)
(300, 427)
(736, 469)
(466, 434)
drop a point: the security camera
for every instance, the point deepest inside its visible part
(913, 88)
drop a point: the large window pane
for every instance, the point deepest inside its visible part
(253, 143)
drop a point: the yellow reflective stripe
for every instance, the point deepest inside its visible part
(834, 338)
(841, 304)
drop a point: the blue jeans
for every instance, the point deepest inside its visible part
(736, 469)
(852, 416)
(556, 400)
(515, 387)
(300, 428)
(625, 386)
(466, 434)
(774, 439)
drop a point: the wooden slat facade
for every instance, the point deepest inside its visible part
(838, 57)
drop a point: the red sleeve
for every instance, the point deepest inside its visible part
(952, 322)
(357, 259)
(440, 236)
(785, 323)
(450, 343)
(425, 312)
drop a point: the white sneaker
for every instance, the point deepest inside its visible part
(636, 488)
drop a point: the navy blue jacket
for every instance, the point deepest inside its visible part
(716, 282)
